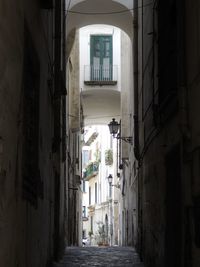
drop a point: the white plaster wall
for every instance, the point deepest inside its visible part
(102, 205)
(98, 101)
(104, 171)
(84, 50)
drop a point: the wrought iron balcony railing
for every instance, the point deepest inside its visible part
(91, 170)
(100, 74)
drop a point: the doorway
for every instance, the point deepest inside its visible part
(101, 57)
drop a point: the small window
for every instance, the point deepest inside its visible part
(84, 234)
(83, 186)
(84, 211)
(95, 192)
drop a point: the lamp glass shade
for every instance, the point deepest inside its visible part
(110, 178)
(113, 127)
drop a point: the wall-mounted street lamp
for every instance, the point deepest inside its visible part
(110, 179)
(114, 128)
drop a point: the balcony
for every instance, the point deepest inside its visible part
(100, 75)
(91, 170)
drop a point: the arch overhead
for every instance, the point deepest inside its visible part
(101, 102)
(115, 13)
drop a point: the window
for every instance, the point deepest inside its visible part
(84, 211)
(84, 233)
(85, 157)
(83, 186)
(95, 192)
(101, 58)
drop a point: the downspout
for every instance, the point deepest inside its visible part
(135, 78)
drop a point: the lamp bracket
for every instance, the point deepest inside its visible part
(127, 139)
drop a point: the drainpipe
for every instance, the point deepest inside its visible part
(135, 78)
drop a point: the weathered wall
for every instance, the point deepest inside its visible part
(27, 200)
(74, 89)
(126, 88)
(128, 174)
(191, 169)
(74, 221)
(168, 96)
(10, 83)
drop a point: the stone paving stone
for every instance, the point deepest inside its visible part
(100, 256)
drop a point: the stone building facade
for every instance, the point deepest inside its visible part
(166, 84)
(32, 132)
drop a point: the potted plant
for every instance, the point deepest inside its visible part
(109, 157)
(101, 235)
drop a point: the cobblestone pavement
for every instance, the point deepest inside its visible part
(100, 256)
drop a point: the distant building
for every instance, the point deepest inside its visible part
(99, 198)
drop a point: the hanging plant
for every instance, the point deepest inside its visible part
(109, 157)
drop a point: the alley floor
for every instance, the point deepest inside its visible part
(100, 256)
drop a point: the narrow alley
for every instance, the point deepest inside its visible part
(100, 133)
(102, 257)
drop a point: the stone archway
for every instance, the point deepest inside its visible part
(117, 13)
